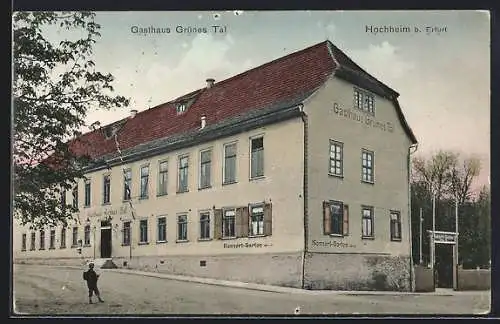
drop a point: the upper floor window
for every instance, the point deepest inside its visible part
(205, 168)
(144, 181)
(364, 101)
(75, 196)
(106, 191)
(395, 226)
(336, 158)
(367, 166)
(183, 174)
(229, 163)
(162, 178)
(367, 221)
(335, 218)
(257, 157)
(87, 193)
(181, 107)
(127, 184)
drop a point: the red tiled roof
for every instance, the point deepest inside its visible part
(272, 83)
(257, 88)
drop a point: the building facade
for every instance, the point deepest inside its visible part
(295, 173)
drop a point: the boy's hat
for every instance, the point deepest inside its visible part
(91, 263)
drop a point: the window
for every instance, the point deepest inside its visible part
(364, 101)
(395, 226)
(74, 239)
(182, 228)
(162, 178)
(144, 182)
(228, 221)
(257, 157)
(335, 218)
(23, 243)
(257, 220)
(63, 238)
(229, 163)
(106, 189)
(367, 166)
(205, 225)
(42, 240)
(52, 240)
(162, 229)
(183, 174)
(75, 196)
(205, 168)
(126, 234)
(367, 221)
(127, 184)
(336, 158)
(86, 236)
(181, 108)
(87, 193)
(63, 199)
(32, 243)
(143, 231)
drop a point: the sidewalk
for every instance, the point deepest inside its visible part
(278, 289)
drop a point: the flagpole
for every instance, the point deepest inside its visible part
(421, 221)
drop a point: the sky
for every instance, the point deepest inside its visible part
(442, 71)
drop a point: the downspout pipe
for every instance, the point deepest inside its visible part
(410, 236)
(305, 194)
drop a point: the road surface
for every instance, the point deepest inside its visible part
(55, 290)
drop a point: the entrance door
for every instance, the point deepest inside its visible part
(105, 240)
(444, 265)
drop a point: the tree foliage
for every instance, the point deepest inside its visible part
(452, 177)
(55, 85)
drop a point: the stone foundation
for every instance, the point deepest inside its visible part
(325, 271)
(271, 269)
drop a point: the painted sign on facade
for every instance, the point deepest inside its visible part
(362, 118)
(332, 243)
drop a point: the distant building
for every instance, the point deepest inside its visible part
(294, 173)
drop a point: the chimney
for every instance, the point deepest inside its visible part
(133, 112)
(210, 83)
(203, 122)
(95, 125)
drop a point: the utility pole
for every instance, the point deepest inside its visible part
(455, 254)
(421, 221)
(433, 245)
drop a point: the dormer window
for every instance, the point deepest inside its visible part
(181, 108)
(365, 101)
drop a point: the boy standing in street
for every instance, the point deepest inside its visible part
(91, 277)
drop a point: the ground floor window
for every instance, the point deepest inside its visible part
(42, 240)
(205, 225)
(182, 228)
(395, 226)
(63, 238)
(228, 220)
(52, 242)
(86, 237)
(257, 220)
(162, 229)
(367, 221)
(74, 239)
(23, 243)
(33, 240)
(143, 231)
(126, 233)
(335, 218)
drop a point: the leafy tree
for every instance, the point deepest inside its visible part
(55, 85)
(461, 179)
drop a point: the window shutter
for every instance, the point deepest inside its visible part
(346, 220)
(327, 219)
(268, 219)
(217, 224)
(244, 221)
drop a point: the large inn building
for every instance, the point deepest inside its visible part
(294, 173)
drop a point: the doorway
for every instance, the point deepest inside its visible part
(105, 239)
(444, 266)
